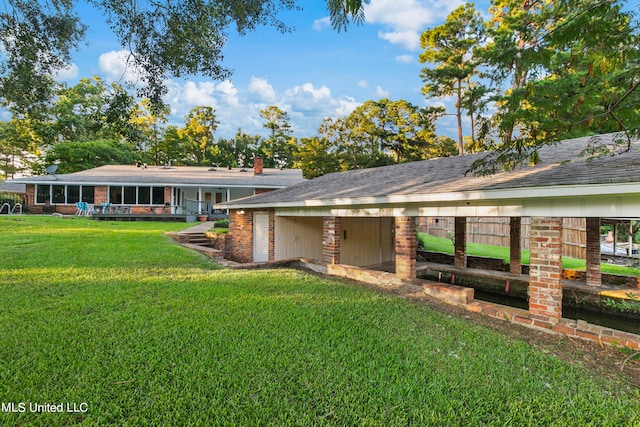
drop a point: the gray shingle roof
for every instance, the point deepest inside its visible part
(561, 164)
(176, 175)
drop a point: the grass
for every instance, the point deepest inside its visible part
(441, 244)
(148, 333)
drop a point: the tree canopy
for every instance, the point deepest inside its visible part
(164, 38)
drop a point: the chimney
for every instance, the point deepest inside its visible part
(257, 166)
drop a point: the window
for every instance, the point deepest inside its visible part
(43, 194)
(73, 193)
(130, 195)
(58, 194)
(115, 195)
(158, 196)
(87, 194)
(144, 195)
(64, 194)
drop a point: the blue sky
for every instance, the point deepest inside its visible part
(312, 73)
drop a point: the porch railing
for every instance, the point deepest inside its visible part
(197, 207)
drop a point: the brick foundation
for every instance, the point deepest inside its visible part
(331, 239)
(406, 246)
(545, 290)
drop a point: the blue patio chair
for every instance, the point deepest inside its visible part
(84, 208)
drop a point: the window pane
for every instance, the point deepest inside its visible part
(87, 194)
(130, 195)
(158, 195)
(144, 195)
(73, 193)
(115, 195)
(43, 194)
(58, 193)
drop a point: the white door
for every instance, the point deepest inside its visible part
(260, 236)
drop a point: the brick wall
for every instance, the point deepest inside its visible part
(545, 290)
(331, 240)
(241, 235)
(100, 194)
(406, 245)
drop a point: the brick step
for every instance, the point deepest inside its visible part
(197, 239)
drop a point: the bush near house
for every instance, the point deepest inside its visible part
(146, 332)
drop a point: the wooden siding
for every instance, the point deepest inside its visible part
(298, 237)
(367, 241)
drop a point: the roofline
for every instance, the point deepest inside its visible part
(462, 196)
(149, 184)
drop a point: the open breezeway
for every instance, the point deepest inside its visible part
(369, 216)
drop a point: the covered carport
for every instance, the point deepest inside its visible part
(386, 201)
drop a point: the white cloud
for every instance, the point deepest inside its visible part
(321, 24)
(407, 19)
(346, 105)
(404, 58)
(198, 94)
(381, 92)
(228, 92)
(363, 83)
(262, 89)
(409, 39)
(119, 65)
(306, 97)
(239, 107)
(70, 73)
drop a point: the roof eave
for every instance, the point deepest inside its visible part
(452, 197)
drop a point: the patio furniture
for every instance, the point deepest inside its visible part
(83, 208)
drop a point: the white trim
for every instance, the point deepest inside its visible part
(614, 206)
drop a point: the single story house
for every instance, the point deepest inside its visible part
(367, 217)
(141, 189)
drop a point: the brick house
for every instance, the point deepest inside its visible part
(361, 218)
(152, 189)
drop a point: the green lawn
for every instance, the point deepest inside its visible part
(441, 244)
(147, 333)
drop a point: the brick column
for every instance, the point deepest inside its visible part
(515, 245)
(331, 230)
(272, 235)
(406, 247)
(594, 277)
(460, 243)
(100, 194)
(240, 244)
(545, 290)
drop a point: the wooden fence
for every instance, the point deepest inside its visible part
(495, 231)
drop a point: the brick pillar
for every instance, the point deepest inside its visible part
(460, 243)
(272, 235)
(515, 245)
(240, 244)
(331, 230)
(594, 277)
(406, 247)
(100, 194)
(545, 290)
